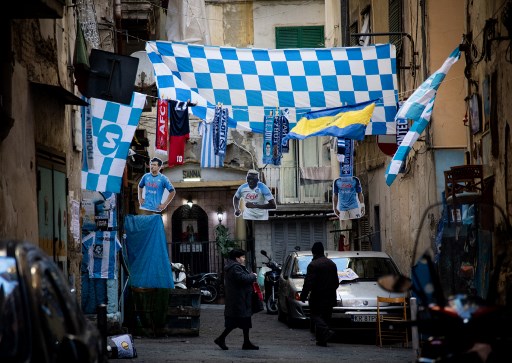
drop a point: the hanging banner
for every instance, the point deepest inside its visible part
(162, 127)
(346, 156)
(267, 139)
(276, 140)
(285, 128)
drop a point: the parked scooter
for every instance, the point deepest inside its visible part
(270, 276)
(464, 313)
(207, 282)
(179, 275)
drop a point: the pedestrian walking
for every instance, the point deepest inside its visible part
(320, 286)
(238, 282)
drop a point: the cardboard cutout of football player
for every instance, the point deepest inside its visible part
(257, 197)
(347, 198)
(154, 187)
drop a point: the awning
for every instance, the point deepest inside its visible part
(63, 94)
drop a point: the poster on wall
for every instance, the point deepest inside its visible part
(474, 109)
(347, 198)
(98, 211)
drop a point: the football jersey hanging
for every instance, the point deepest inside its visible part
(179, 131)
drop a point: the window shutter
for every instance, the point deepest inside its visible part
(312, 37)
(287, 38)
(354, 28)
(300, 37)
(395, 24)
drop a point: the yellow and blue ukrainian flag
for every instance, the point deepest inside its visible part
(346, 121)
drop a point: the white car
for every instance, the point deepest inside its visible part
(356, 296)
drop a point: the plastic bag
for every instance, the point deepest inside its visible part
(121, 346)
(257, 298)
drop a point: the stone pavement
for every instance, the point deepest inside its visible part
(277, 343)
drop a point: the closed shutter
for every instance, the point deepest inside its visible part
(286, 235)
(354, 28)
(300, 37)
(395, 24)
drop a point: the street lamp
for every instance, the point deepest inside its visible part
(220, 214)
(189, 202)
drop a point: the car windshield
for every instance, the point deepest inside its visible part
(366, 268)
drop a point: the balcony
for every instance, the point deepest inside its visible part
(299, 185)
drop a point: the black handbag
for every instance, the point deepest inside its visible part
(257, 299)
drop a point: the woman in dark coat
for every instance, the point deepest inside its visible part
(238, 292)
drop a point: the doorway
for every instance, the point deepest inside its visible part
(52, 207)
(190, 245)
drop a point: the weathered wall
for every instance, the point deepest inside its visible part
(18, 197)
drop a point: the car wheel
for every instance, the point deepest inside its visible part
(291, 322)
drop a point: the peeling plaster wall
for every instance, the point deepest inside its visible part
(271, 14)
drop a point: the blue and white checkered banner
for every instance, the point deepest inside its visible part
(252, 82)
(416, 103)
(418, 108)
(409, 139)
(107, 141)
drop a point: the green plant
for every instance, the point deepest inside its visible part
(223, 241)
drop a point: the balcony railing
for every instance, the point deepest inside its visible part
(299, 184)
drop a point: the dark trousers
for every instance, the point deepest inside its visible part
(320, 319)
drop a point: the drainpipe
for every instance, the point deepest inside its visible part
(345, 28)
(118, 26)
(428, 138)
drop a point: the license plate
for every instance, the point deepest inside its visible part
(364, 318)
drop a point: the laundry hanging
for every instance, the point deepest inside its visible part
(179, 131)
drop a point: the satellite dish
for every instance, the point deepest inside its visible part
(111, 76)
(145, 73)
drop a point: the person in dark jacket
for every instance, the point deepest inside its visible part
(238, 291)
(320, 286)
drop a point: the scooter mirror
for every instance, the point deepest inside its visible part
(395, 283)
(264, 253)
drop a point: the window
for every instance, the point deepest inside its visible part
(354, 28)
(300, 37)
(366, 27)
(395, 24)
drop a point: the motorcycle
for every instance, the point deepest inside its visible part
(459, 285)
(270, 276)
(208, 283)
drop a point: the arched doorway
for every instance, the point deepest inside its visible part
(190, 244)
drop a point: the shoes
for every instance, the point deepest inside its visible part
(328, 335)
(250, 346)
(221, 344)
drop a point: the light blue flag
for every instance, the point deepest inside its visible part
(418, 108)
(416, 103)
(110, 127)
(409, 139)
